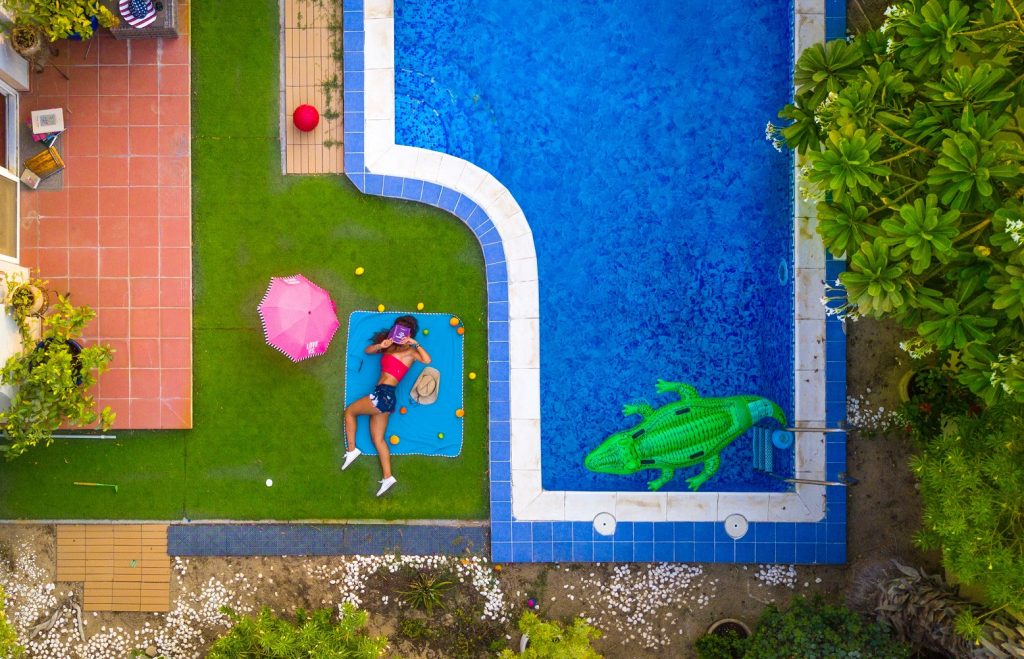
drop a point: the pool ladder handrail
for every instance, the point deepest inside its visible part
(764, 462)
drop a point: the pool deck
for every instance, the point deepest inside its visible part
(532, 524)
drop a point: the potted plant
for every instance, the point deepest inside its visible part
(25, 39)
(51, 379)
(61, 19)
(25, 299)
(724, 639)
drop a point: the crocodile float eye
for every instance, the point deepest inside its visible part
(647, 462)
(696, 455)
(682, 411)
(638, 433)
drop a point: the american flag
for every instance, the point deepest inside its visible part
(138, 13)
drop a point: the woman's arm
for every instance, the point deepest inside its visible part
(374, 348)
(420, 353)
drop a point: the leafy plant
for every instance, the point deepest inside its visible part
(935, 393)
(311, 635)
(720, 646)
(23, 296)
(548, 639)
(59, 19)
(426, 591)
(8, 634)
(972, 491)
(926, 613)
(815, 629)
(52, 383)
(912, 138)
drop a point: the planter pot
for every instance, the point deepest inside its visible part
(725, 625)
(74, 36)
(524, 642)
(26, 41)
(28, 300)
(907, 387)
(75, 348)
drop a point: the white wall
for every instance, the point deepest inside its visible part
(13, 67)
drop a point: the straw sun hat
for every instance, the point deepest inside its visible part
(424, 390)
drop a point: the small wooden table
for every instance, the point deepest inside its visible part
(165, 25)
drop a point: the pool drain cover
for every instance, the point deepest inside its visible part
(604, 524)
(736, 526)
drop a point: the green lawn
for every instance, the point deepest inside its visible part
(257, 415)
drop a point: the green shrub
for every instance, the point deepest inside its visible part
(8, 635)
(814, 629)
(726, 646)
(426, 591)
(549, 640)
(311, 635)
(972, 491)
(912, 137)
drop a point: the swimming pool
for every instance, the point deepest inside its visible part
(633, 140)
(529, 522)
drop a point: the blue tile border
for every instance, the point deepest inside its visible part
(512, 541)
(209, 539)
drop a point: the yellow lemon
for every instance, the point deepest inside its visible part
(380, 307)
(394, 439)
(440, 435)
(419, 306)
(360, 271)
(426, 332)
(454, 321)
(472, 375)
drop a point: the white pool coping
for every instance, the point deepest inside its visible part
(530, 502)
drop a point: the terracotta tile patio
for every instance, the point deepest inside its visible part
(118, 235)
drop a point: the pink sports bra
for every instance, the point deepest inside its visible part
(393, 366)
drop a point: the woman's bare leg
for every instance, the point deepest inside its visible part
(361, 407)
(378, 424)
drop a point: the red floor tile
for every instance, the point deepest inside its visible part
(113, 202)
(112, 51)
(113, 81)
(113, 141)
(115, 382)
(175, 353)
(174, 202)
(143, 80)
(53, 203)
(145, 141)
(113, 292)
(145, 383)
(114, 323)
(143, 201)
(175, 232)
(82, 172)
(144, 292)
(112, 111)
(144, 232)
(52, 262)
(83, 202)
(176, 323)
(175, 51)
(83, 262)
(113, 171)
(113, 230)
(144, 261)
(175, 383)
(145, 353)
(144, 412)
(82, 111)
(84, 82)
(174, 141)
(144, 323)
(175, 111)
(176, 413)
(114, 262)
(53, 231)
(84, 232)
(144, 51)
(144, 170)
(173, 171)
(175, 261)
(144, 110)
(174, 79)
(85, 291)
(175, 292)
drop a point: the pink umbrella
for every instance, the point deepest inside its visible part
(299, 317)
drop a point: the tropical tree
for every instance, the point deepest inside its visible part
(911, 144)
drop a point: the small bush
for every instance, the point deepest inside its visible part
(972, 492)
(725, 646)
(426, 591)
(549, 640)
(817, 630)
(311, 635)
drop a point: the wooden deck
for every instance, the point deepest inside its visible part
(309, 64)
(125, 567)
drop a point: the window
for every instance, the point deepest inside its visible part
(9, 182)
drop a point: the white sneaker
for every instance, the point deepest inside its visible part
(350, 457)
(386, 484)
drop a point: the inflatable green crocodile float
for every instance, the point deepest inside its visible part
(692, 431)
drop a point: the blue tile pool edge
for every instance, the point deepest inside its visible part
(822, 542)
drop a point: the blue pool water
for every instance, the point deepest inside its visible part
(632, 135)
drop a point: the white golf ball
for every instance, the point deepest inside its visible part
(270, 482)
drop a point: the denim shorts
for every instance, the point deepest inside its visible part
(383, 398)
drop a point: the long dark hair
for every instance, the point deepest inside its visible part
(406, 321)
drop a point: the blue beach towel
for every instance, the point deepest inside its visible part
(418, 429)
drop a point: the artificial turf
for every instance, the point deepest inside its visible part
(257, 415)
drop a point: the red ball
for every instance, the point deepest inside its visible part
(306, 117)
